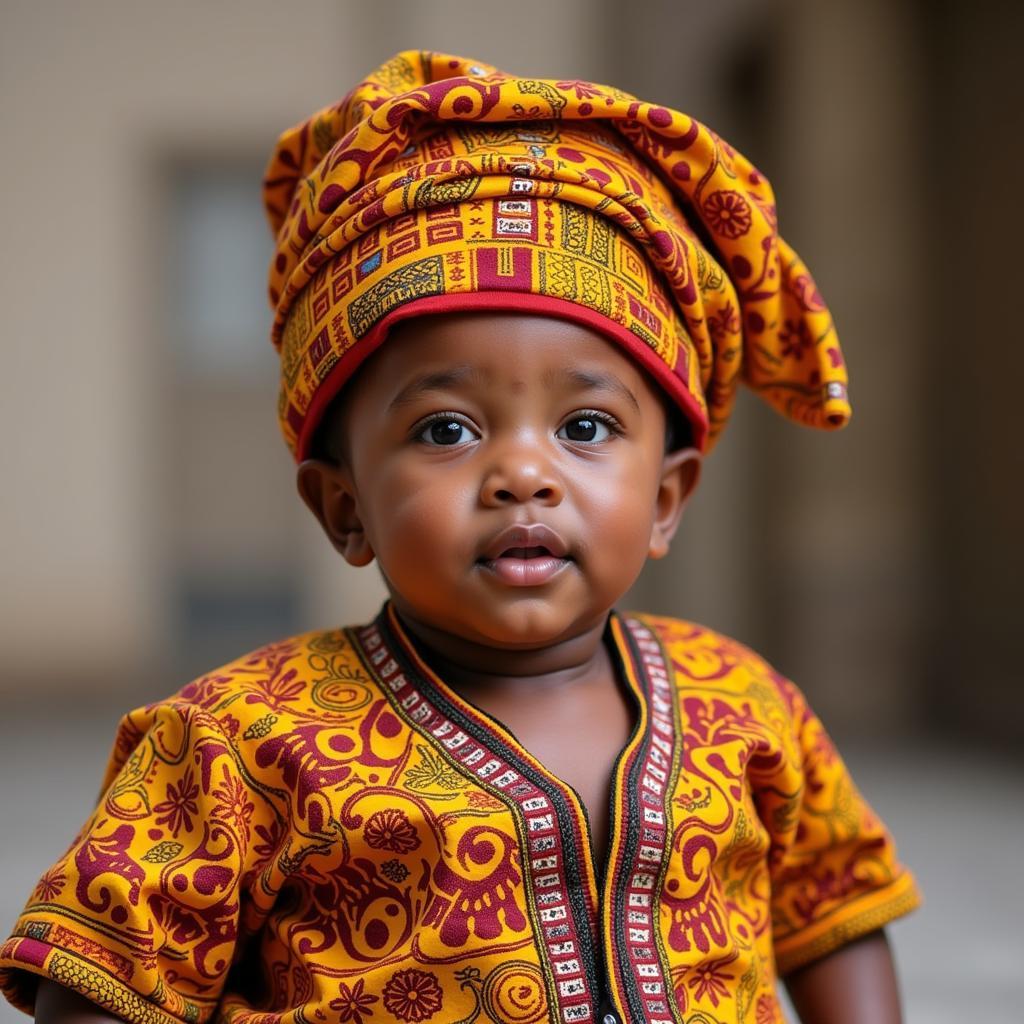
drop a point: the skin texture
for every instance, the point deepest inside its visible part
(553, 427)
(856, 984)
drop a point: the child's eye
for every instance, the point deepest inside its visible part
(446, 430)
(586, 428)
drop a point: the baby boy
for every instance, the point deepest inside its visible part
(511, 315)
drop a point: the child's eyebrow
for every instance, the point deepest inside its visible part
(594, 381)
(442, 380)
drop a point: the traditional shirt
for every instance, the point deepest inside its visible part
(323, 830)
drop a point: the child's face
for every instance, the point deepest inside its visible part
(507, 471)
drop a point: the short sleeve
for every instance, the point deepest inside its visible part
(141, 915)
(834, 871)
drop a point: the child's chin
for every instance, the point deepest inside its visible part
(526, 623)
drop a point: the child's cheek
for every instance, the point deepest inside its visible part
(426, 516)
(617, 495)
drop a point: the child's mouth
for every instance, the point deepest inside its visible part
(538, 552)
(525, 567)
(522, 563)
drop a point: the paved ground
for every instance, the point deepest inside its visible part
(959, 819)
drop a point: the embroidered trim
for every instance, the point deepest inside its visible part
(646, 784)
(83, 976)
(892, 905)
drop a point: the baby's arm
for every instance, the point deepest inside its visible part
(56, 1004)
(854, 984)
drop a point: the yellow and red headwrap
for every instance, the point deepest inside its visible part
(440, 184)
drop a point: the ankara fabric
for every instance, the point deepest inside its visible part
(324, 831)
(439, 184)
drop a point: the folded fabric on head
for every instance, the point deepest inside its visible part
(440, 184)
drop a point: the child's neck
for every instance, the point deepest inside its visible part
(561, 702)
(466, 664)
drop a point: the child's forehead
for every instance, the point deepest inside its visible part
(510, 350)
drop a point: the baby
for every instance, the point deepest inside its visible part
(511, 315)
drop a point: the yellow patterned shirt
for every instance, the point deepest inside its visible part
(324, 831)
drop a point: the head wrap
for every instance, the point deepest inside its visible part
(441, 184)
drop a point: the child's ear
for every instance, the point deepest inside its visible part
(680, 471)
(329, 493)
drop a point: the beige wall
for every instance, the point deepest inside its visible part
(95, 95)
(846, 567)
(817, 549)
(975, 607)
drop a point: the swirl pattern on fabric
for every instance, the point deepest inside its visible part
(440, 184)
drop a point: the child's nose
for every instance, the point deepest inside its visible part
(519, 476)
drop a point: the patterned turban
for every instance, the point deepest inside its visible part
(440, 184)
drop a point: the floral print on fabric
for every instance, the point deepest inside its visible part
(390, 830)
(353, 1003)
(413, 995)
(331, 818)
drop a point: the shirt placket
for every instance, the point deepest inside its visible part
(643, 782)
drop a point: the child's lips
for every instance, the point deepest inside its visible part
(525, 572)
(526, 555)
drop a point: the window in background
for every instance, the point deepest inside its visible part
(229, 510)
(222, 246)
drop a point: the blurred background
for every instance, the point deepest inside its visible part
(150, 527)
